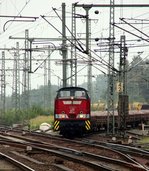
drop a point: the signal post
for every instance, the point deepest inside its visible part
(122, 88)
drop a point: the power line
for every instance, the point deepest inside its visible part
(27, 2)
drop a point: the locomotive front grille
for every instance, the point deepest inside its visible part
(72, 116)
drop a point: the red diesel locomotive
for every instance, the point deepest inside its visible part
(72, 111)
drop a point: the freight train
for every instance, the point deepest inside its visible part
(72, 113)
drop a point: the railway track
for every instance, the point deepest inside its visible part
(84, 153)
(96, 162)
(9, 163)
(139, 155)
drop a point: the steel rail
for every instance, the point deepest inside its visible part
(86, 142)
(87, 158)
(15, 162)
(68, 155)
(71, 154)
(128, 149)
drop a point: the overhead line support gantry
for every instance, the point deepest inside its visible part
(110, 97)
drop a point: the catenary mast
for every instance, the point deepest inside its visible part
(16, 80)
(110, 96)
(3, 84)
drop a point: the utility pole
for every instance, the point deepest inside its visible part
(45, 83)
(16, 80)
(110, 96)
(73, 49)
(88, 52)
(64, 49)
(49, 78)
(26, 79)
(88, 43)
(122, 87)
(3, 85)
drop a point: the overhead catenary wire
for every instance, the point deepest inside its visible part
(80, 48)
(77, 72)
(60, 32)
(70, 32)
(19, 13)
(79, 43)
(147, 40)
(95, 61)
(84, 55)
(130, 32)
(122, 19)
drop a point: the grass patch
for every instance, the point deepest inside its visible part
(144, 140)
(144, 143)
(35, 123)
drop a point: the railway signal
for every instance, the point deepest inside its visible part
(119, 87)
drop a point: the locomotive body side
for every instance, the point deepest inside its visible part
(72, 111)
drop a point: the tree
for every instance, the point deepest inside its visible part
(138, 80)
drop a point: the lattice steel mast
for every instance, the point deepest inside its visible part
(16, 80)
(122, 87)
(26, 79)
(49, 77)
(89, 75)
(45, 83)
(88, 52)
(88, 43)
(110, 97)
(3, 84)
(73, 49)
(64, 49)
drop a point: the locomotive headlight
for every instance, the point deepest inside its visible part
(72, 97)
(61, 116)
(81, 115)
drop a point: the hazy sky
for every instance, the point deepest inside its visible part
(99, 28)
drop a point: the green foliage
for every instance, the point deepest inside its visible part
(21, 116)
(99, 88)
(9, 117)
(35, 122)
(138, 80)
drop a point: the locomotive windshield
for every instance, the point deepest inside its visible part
(76, 93)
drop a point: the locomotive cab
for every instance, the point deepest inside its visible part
(72, 111)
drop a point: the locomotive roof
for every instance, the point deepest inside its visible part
(72, 88)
